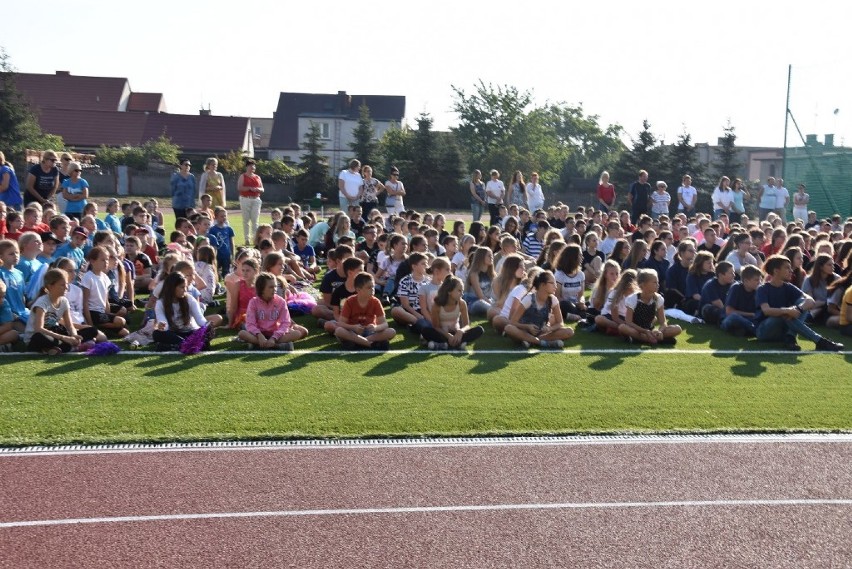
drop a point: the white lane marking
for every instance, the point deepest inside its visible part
(434, 509)
(421, 352)
(318, 444)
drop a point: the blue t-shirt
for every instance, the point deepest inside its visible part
(782, 296)
(661, 267)
(694, 283)
(28, 267)
(220, 238)
(305, 254)
(676, 277)
(75, 188)
(113, 223)
(183, 191)
(740, 299)
(76, 254)
(6, 315)
(15, 293)
(12, 196)
(713, 290)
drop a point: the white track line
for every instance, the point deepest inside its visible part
(421, 352)
(433, 509)
(449, 442)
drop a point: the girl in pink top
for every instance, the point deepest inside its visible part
(268, 323)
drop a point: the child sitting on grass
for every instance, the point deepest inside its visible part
(178, 314)
(362, 319)
(740, 305)
(451, 322)
(783, 308)
(50, 329)
(643, 308)
(268, 323)
(536, 319)
(8, 334)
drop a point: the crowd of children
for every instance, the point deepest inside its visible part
(68, 282)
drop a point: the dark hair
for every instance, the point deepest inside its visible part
(362, 279)
(168, 298)
(570, 259)
(261, 281)
(443, 294)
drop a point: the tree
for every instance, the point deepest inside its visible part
(727, 156)
(396, 148)
(365, 147)
(160, 150)
(488, 118)
(647, 153)
(314, 178)
(19, 128)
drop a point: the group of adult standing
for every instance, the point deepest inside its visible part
(492, 194)
(356, 186)
(55, 179)
(728, 198)
(184, 191)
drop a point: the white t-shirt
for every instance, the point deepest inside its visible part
(633, 299)
(75, 301)
(516, 293)
(620, 308)
(535, 197)
(660, 202)
(53, 315)
(573, 286)
(494, 191)
(351, 183)
(726, 198)
(782, 195)
(98, 286)
(689, 194)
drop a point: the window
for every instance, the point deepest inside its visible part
(325, 131)
(257, 131)
(772, 170)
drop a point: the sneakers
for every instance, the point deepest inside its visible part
(792, 346)
(555, 344)
(826, 345)
(85, 346)
(385, 345)
(525, 344)
(437, 345)
(284, 347)
(671, 341)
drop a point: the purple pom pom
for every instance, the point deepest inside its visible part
(103, 349)
(196, 341)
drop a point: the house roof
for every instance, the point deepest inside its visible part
(66, 91)
(150, 102)
(193, 133)
(292, 106)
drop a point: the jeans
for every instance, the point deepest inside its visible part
(763, 212)
(250, 208)
(732, 322)
(774, 329)
(476, 210)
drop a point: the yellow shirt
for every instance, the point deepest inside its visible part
(844, 306)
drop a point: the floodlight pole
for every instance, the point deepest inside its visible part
(786, 118)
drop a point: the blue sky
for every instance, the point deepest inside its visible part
(675, 63)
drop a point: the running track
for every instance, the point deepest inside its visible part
(593, 502)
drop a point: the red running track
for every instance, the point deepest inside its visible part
(654, 504)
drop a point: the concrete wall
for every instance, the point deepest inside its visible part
(157, 185)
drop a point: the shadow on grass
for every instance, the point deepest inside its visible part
(490, 363)
(605, 362)
(77, 364)
(289, 364)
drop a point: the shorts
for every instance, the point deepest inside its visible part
(101, 317)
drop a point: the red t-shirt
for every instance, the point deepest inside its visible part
(251, 181)
(363, 315)
(606, 193)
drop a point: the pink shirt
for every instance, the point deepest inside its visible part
(272, 318)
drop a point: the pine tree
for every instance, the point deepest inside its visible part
(366, 147)
(646, 154)
(314, 178)
(727, 156)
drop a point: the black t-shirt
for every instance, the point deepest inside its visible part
(715, 248)
(640, 193)
(331, 281)
(44, 184)
(340, 294)
(372, 252)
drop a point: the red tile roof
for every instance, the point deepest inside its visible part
(193, 133)
(66, 91)
(150, 102)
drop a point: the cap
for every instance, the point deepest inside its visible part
(80, 230)
(48, 236)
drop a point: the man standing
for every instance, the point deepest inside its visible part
(687, 196)
(348, 184)
(782, 199)
(767, 199)
(639, 196)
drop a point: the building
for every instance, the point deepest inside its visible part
(88, 112)
(337, 117)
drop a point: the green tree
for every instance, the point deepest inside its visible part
(19, 128)
(365, 147)
(397, 148)
(314, 178)
(276, 171)
(646, 153)
(160, 150)
(727, 155)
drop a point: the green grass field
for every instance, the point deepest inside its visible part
(709, 382)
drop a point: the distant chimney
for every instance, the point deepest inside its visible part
(829, 141)
(810, 140)
(64, 73)
(204, 112)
